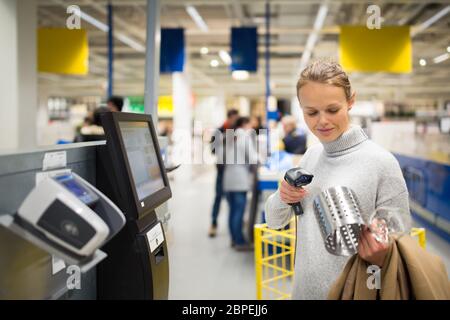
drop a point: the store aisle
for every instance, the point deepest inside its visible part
(201, 267)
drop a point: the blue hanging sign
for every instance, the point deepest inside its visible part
(172, 50)
(244, 49)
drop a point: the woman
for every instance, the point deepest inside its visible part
(240, 154)
(345, 157)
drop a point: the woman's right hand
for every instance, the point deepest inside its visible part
(290, 194)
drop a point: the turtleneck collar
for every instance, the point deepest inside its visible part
(346, 142)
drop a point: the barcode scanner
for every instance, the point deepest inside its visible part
(298, 177)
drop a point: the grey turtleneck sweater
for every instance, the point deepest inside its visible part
(352, 160)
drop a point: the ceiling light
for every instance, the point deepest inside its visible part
(214, 63)
(313, 36)
(441, 58)
(320, 18)
(204, 50)
(225, 56)
(423, 62)
(432, 20)
(93, 21)
(240, 75)
(105, 28)
(448, 49)
(130, 42)
(201, 24)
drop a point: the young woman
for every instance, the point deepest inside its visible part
(345, 157)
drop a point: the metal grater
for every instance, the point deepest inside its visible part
(338, 213)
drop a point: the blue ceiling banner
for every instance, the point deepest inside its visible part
(172, 50)
(244, 49)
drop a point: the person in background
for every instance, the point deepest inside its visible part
(218, 141)
(256, 123)
(294, 138)
(93, 131)
(87, 121)
(240, 154)
(115, 104)
(165, 128)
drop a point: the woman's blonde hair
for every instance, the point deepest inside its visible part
(326, 71)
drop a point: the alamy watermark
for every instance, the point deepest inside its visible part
(74, 279)
(228, 147)
(374, 20)
(374, 280)
(74, 20)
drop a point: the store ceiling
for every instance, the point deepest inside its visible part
(291, 24)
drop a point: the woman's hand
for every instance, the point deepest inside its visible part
(370, 249)
(290, 194)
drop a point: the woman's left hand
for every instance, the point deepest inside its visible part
(370, 249)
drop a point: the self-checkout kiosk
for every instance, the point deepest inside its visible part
(130, 171)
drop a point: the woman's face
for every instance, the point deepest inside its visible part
(325, 109)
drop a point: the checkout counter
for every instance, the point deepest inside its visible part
(89, 205)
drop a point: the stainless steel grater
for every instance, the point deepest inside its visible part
(339, 216)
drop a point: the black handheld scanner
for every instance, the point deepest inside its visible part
(298, 177)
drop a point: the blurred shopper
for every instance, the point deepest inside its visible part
(87, 121)
(115, 104)
(218, 141)
(165, 128)
(257, 125)
(93, 131)
(345, 157)
(294, 140)
(240, 154)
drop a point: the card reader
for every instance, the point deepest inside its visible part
(70, 212)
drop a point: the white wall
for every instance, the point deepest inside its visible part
(18, 81)
(27, 72)
(9, 136)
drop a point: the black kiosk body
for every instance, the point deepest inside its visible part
(130, 171)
